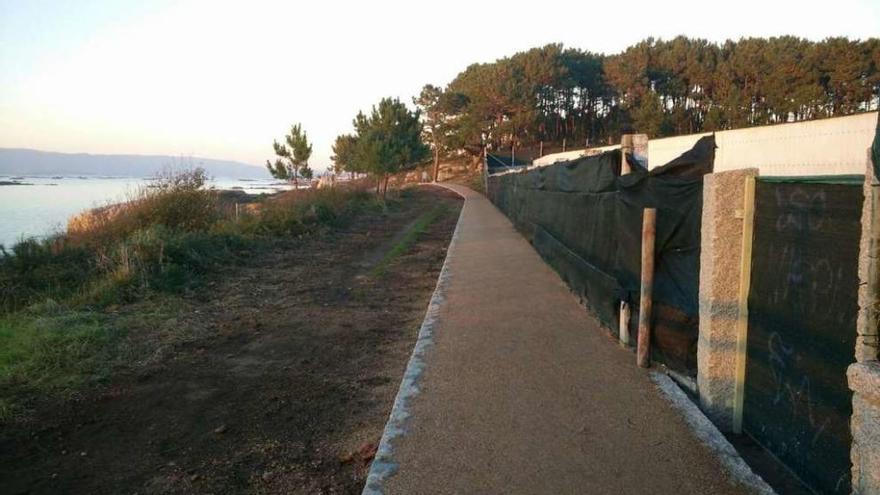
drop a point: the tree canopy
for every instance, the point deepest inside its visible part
(680, 86)
(556, 95)
(388, 140)
(344, 154)
(438, 108)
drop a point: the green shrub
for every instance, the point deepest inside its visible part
(41, 268)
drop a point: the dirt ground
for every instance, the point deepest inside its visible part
(282, 385)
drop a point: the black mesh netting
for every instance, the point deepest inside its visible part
(585, 220)
(802, 325)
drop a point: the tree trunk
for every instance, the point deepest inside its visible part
(378, 183)
(385, 187)
(436, 165)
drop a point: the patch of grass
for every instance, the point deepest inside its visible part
(51, 348)
(422, 223)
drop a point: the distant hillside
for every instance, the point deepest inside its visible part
(15, 161)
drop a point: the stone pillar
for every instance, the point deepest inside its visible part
(721, 243)
(864, 374)
(864, 381)
(867, 332)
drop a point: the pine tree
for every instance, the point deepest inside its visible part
(344, 149)
(293, 157)
(389, 140)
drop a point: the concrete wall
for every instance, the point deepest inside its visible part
(662, 151)
(571, 155)
(818, 147)
(722, 232)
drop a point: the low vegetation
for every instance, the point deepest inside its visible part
(274, 374)
(422, 223)
(58, 294)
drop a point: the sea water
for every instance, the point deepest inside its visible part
(41, 206)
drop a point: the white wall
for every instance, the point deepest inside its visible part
(818, 147)
(833, 146)
(571, 155)
(662, 151)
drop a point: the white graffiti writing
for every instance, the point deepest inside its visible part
(794, 392)
(805, 209)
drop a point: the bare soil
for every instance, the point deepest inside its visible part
(281, 383)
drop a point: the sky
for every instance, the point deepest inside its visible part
(220, 79)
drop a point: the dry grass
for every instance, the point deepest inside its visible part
(177, 201)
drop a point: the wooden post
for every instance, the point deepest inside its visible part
(625, 315)
(485, 172)
(563, 145)
(742, 319)
(541, 149)
(646, 301)
(512, 154)
(626, 146)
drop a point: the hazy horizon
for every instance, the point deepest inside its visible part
(217, 81)
(141, 155)
(29, 162)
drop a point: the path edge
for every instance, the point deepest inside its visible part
(384, 465)
(707, 433)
